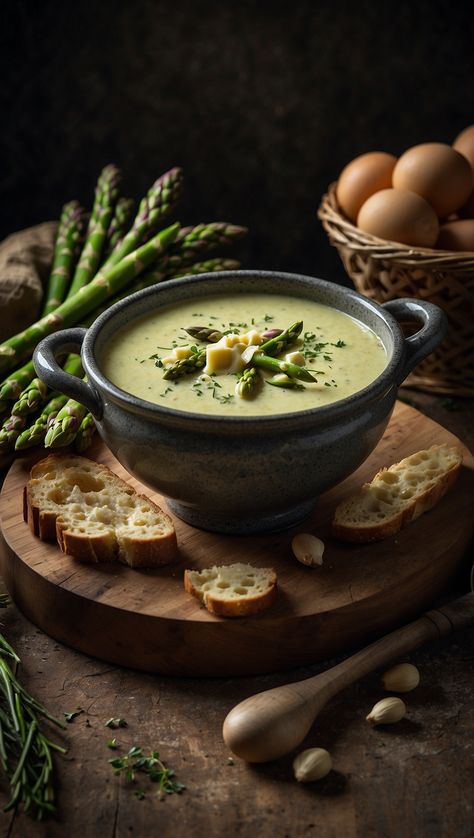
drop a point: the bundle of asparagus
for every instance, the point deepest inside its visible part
(91, 270)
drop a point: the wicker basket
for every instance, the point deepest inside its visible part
(385, 270)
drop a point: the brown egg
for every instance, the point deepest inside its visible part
(399, 216)
(438, 173)
(457, 235)
(361, 178)
(464, 143)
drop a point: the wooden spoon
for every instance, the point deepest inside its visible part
(272, 723)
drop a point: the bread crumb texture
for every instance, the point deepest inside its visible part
(96, 516)
(235, 590)
(397, 495)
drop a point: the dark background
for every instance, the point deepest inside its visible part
(261, 103)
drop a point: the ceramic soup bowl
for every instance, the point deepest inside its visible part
(243, 474)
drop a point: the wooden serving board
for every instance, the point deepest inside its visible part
(144, 619)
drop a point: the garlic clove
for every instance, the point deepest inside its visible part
(387, 711)
(312, 764)
(401, 678)
(308, 549)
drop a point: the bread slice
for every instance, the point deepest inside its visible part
(397, 495)
(94, 515)
(235, 590)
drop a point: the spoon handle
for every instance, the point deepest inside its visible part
(270, 724)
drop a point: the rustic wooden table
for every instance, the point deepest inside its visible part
(412, 780)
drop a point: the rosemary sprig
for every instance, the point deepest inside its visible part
(135, 762)
(26, 754)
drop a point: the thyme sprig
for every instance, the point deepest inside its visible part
(135, 762)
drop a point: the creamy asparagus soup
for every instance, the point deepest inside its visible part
(247, 355)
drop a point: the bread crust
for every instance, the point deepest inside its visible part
(425, 501)
(246, 606)
(114, 544)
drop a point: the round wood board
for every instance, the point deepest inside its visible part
(144, 618)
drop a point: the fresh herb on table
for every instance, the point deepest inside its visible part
(115, 723)
(26, 754)
(72, 715)
(134, 762)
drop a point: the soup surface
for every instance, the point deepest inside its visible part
(337, 351)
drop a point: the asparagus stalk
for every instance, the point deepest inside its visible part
(184, 366)
(85, 433)
(10, 431)
(106, 194)
(248, 383)
(192, 242)
(207, 266)
(31, 398)
(75, 309)
(158, 274)
(68, 240)
(204, 333)
(158, 203)
(36, 433)
(118, 225)
(266, 362)
(16, 382)
(283, 380)
(37, 391)
(66, 424)
(277, 344)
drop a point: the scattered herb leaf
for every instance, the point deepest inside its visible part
(115, 723)
(72, 715)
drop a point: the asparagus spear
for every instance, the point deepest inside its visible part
(66, 424)
(192, 242)
(184, 366)
(37, 391)
(277, 344)
(248, 383)
(10, 431)
(85, 433)
(266, 362)
(106, 194)
(204, 333)
(207, 266)
(283, 380)
(118, 224)
(68, 240)
(76, 308)
(158, 203)
(36, 433)
(31, 398)
(13, 385)
(158, 274)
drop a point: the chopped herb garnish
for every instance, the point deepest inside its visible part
(112, 744)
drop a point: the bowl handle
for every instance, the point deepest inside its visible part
(48, 369)
(434, 326)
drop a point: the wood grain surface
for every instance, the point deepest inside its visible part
(145, 619)
(412, 779)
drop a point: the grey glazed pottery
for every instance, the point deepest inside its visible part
(249, 474)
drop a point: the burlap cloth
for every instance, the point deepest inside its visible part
(25, 263)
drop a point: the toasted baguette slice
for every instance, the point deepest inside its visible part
(235, 590)
(397, 495)
(94, 515)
